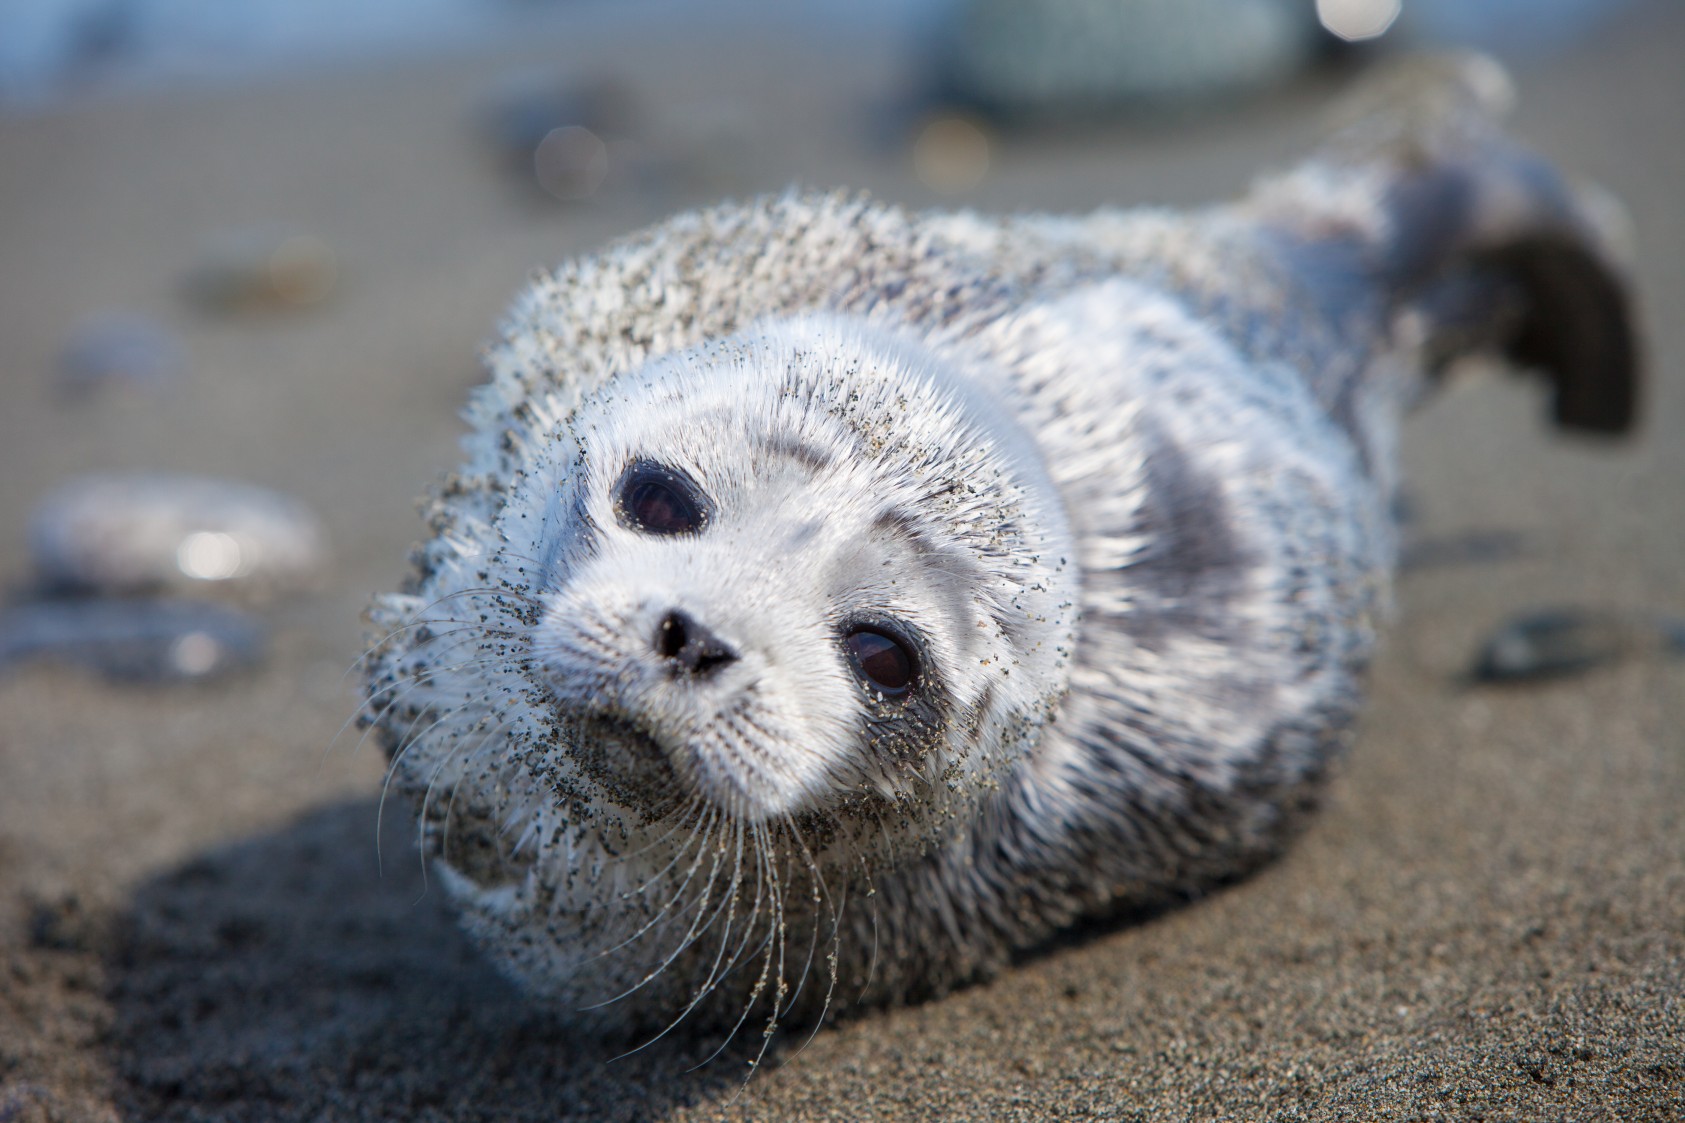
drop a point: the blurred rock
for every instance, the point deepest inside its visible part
(571, 162)
(951, 154)
(263, 270)
(1557, 642)
(1470, 547)
(1044, 56)
(136, 641)
(530, 108)
(1506, 27)
(125, 533)
(567, 137)
(122, 351)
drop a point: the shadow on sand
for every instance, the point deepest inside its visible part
(281, 978)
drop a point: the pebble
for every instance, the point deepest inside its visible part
(263, 270)
(1558, 642)
(142, 641)
(951, 154)
(120, 350)
(567, 137)
(1040, 56)
(530, 108)
(571, 162)
(1472, 547)
(143, 532)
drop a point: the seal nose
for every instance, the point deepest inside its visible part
(682, 640)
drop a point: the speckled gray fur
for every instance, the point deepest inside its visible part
(1128, 478)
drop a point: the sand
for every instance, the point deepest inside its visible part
(1486, 921)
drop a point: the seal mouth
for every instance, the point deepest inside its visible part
(656, 776)
(628, 764)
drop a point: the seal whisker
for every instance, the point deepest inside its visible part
(692, 809)
(665, 911)
(431, 623)
(488, 659)
(762, 881)
(463, 763)
(730, 898)
(871, 895)
(380, 812)
(402, 686)
(781, 988)
(706, 988)
(408, 736)
(832, 959)
(420, 618)
(820, 896)
(704, 846)
(392, 770)
(764, 953)
(696, 928)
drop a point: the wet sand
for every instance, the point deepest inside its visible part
(1486, 921)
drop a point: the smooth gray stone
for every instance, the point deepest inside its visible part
(133, 533)
(120, 350)
(140, 641)
(1558, 642)
(262, 269)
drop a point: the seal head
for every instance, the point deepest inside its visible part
(800, 596)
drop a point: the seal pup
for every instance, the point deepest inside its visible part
(837, 600)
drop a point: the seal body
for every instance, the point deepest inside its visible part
(837, 600)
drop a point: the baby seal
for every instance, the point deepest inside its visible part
(836, 601)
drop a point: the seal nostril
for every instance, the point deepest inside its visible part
(696, 649)
(670, 638)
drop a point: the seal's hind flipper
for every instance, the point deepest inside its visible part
(1487, 246)
(1553, 255)
(1576, 327)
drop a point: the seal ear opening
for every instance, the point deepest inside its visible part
(1575, 327)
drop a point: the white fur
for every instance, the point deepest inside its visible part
(1127, 476)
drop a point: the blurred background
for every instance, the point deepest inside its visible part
(248, 252)
(251, 241)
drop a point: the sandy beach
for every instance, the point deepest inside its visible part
(1485, 922)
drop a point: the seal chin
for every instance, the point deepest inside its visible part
(662, 772)
(626, 765)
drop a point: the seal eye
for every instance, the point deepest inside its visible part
(658, 500)
(883, 660)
